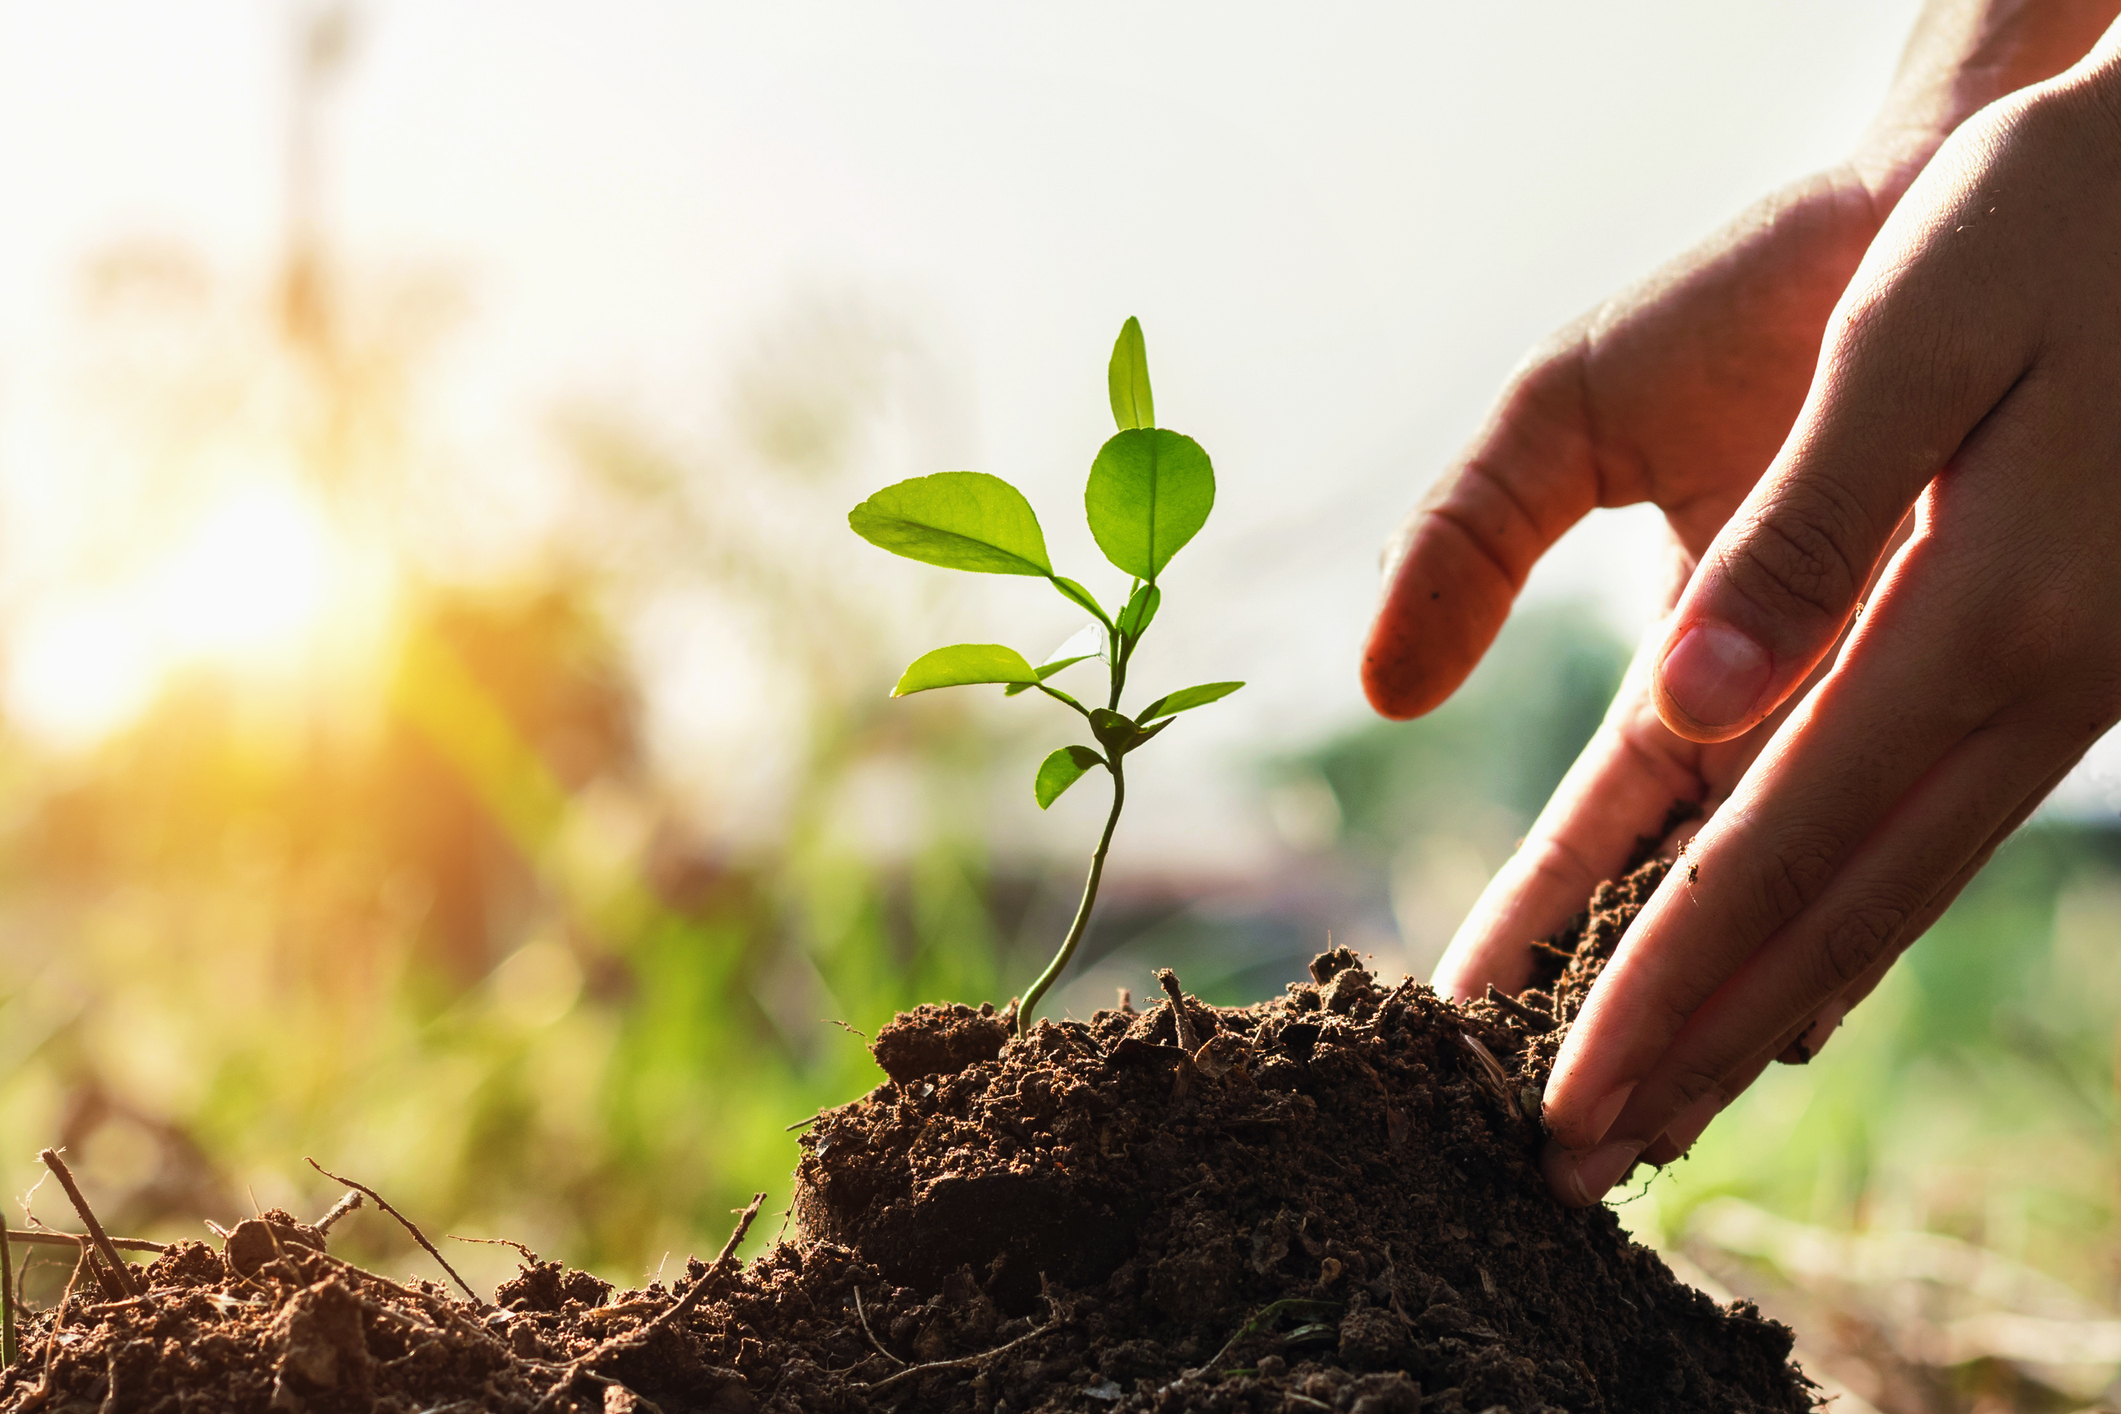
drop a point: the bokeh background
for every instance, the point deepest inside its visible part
(442, 711)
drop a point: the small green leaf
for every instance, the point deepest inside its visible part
(962, 664)
(1186, 699)
(1047, 670)
(1128, 378)
(1061, 770)
(1142, 735)
(1113, 731)
(1079, 595)
(1044, 671)
(1150, 492)
(961, 520)
(1051, 691)
(1141, 607)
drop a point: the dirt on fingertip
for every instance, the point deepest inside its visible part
(1329, 1200)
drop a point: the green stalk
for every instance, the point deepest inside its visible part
(1082, 911)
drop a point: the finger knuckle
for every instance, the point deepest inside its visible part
(1799, 556)
(1693, 1077)
(1854, 941)
(1794, 875)
(1553, 865)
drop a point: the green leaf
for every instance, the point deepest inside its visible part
(1044, 671)
(961, 520)
(1061, 770)
(1150, 491)
(962, 664)
(1114, 732)
(1128, 379)
(1080, 595)
(1051, 691)
(1141, 607)
(1142, 736)
(1186, 699)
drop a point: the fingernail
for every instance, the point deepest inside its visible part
(1683, 1131)
(1581, 1179)
(1714, 674)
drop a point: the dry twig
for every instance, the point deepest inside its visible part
(45, 1237)
(410, 1226)
(864, 1316)
(1533, 1019)
(528, 1255)
(581, 1364)
(120, 1275)
(963, 1360)
(1187, 1039)
(721, 1263)
(43, 1391)
(340, 1209)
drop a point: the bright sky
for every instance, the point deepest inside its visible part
(1340, 224)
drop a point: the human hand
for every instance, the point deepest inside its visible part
(1677, 392)
(1680, 390)
(1971, 376)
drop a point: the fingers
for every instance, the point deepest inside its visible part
(1830, 1016)
(1962, 363)
(1688, 1124)
(1619, 791)
(1616, 796)
(1845, 757)
(1573, 1180)
(1839, 945)
(1900, 386)
(1457, 565)
(1677, 391)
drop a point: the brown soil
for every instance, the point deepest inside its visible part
(1330, 1200)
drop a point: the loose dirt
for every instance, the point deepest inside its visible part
(1329, 1200)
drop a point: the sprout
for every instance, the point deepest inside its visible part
(1150, 491)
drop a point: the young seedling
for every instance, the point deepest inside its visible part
(1150, 491)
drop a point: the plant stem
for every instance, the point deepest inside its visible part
(1082, 911)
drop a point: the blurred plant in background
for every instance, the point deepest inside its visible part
(346, 833)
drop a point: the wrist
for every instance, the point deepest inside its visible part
(1963, 56)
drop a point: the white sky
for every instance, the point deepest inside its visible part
(1340, 225)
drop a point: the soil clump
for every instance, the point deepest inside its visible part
(1328, 1200)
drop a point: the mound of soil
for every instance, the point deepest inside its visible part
(1330, 1200)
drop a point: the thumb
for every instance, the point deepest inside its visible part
(1885, 415)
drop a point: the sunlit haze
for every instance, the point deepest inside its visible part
(1339, 232)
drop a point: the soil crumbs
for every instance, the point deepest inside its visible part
(1329, 1200)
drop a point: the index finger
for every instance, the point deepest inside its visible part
(1458, 563)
